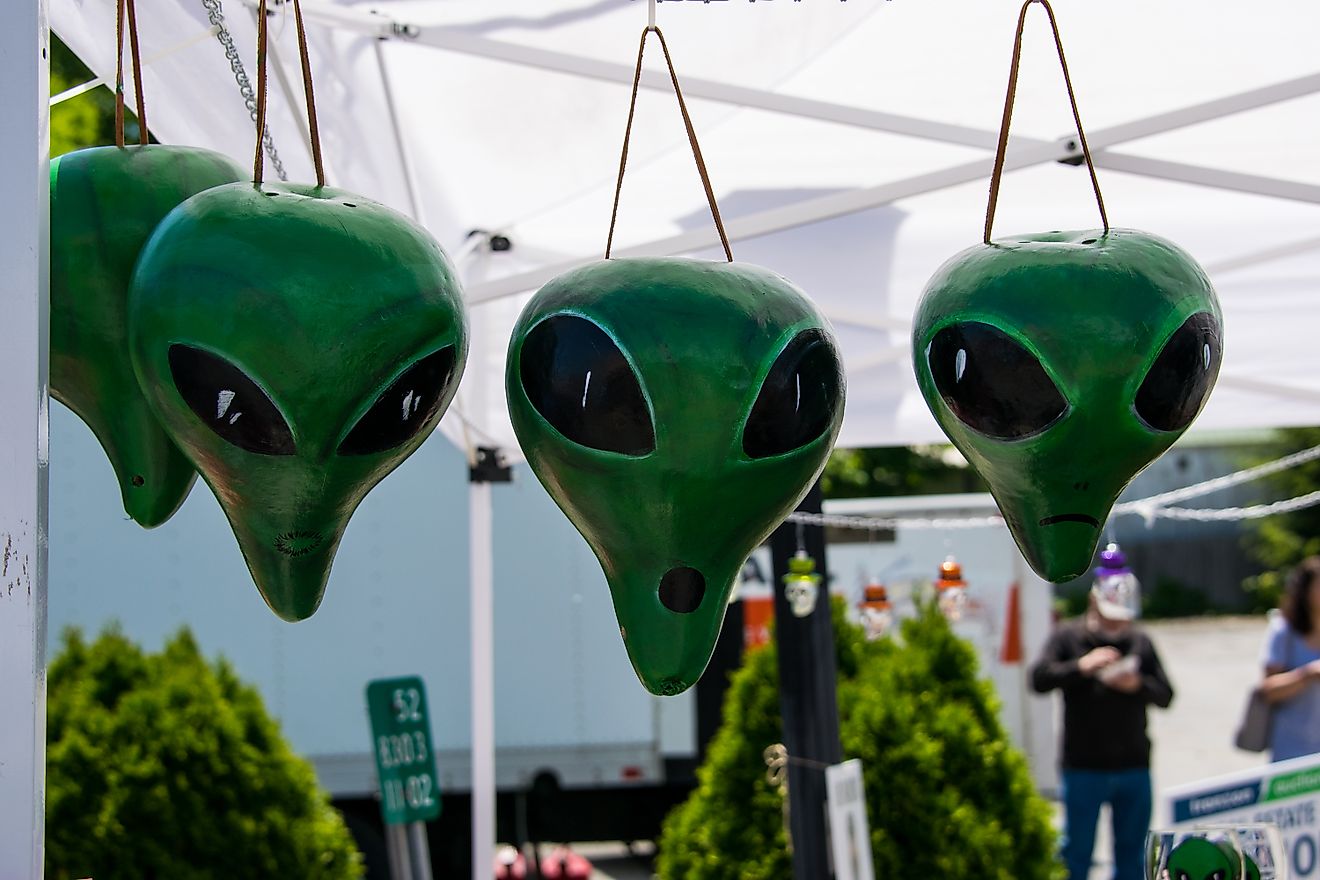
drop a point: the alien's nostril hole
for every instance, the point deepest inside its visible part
(138, 481)
(681, 589)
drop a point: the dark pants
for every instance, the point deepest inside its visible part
(1128, 794)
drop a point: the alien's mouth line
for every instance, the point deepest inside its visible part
(298, 542)
(1071, 517)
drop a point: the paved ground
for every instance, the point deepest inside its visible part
(1211, 662)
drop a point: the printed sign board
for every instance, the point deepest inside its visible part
(405, 758)
(850, 833)
(1286, 794)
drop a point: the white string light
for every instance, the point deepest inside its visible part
(1150, 508)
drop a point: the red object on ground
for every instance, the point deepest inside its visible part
(1012, 649)
(564, 864)
(510, 865)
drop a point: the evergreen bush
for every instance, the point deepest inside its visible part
(167, 767)
(947, 794)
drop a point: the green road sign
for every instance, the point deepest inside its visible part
(405, 760)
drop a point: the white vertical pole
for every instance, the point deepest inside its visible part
(405, 157)
(24, 191)
(480, 560)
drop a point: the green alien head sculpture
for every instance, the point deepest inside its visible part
(1199, 859)
(298, 343)
(1061, 365)
(104, 204)
(677, 410)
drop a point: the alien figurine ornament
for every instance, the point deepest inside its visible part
(677, 410)
(1061, 365)
(1199, 859)
(104, 204)
(298, 342)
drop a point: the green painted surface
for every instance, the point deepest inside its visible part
(700, 339)
(405, 753)
(321, 299)
(1095, 311)
(1199, 859)
(104, 204)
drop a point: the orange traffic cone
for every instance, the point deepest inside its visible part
(1012, 649)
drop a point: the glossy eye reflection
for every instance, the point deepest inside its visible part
(991, 383)
(580, 382)
(404, 408)
(798, 399)
(1180, 380)
(228, 402)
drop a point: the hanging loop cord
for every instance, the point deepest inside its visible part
(263, 37)
(143, 136)
(692, 139)
(1008, 116)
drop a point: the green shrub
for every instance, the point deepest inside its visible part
(165, 766)
(947, 795)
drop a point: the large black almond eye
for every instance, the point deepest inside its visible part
(991, 383)
(228, 402)
(1181, 378)
(581, 384)
(404, 407)
(798, 399)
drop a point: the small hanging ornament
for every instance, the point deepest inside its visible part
(104, 204)
(877, 612)
(298, 342)
(1063, 363)
(676, 410)
(951, 590)
(802, 584)
(1116, 589)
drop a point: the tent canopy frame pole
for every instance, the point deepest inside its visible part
(24, 455)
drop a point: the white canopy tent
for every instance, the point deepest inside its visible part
(507, 117)
(849, 144)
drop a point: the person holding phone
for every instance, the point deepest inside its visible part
(1108, 672)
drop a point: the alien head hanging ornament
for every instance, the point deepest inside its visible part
(298, 342)
(1197, 858)
(104, 204)
(1061, 364)
(677, 410)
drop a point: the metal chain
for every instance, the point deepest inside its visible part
(1234, 479)
(1148, 508)
(1231, 514)
(217, 16)
(876, 524)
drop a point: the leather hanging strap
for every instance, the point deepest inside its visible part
(263, 39)
(692, 140)
(129, 6)
(1008, 117)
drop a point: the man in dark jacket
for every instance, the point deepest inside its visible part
(1109, 672)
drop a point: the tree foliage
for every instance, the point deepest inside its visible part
(89, 119)
(898, 470)
(166, 766)
(947, 794)
(1280, 542)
